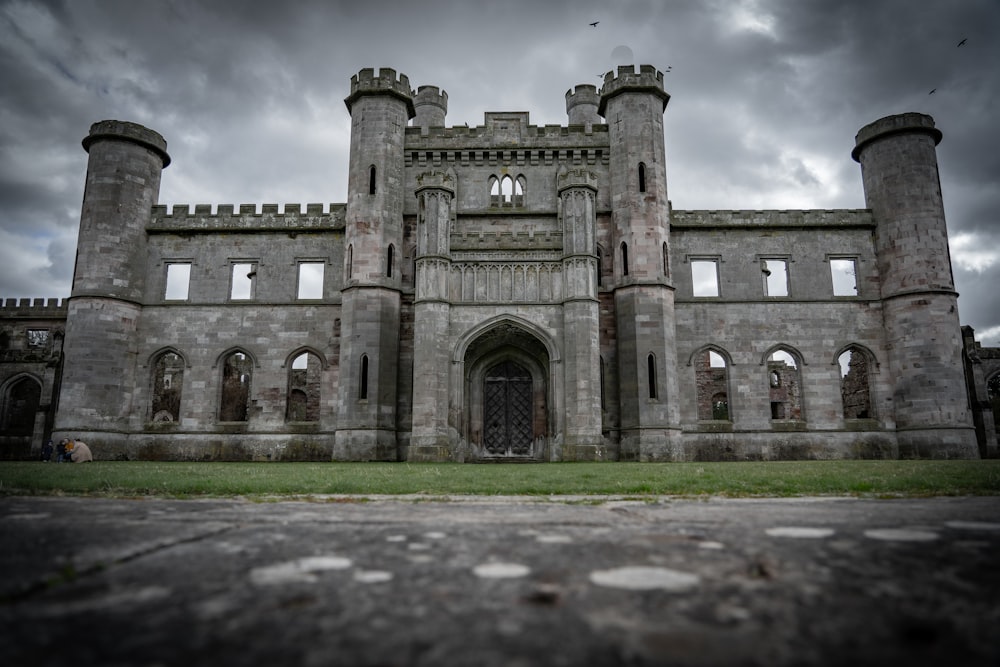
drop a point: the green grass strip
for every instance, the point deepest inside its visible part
(737, 479)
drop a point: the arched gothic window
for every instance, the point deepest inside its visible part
(642, 177)
(855, 384)
(712, 382)
(304, 382)
(784, 385)
(624, 258)
(237, 372)
(371, 180)
(168, 382)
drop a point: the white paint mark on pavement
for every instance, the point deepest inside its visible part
(396, 538)
(901, 535)
(435, 535)
(645, 578)
(708, 544)
(973, 525)
(554, 539)
(299, 570)
(372, 576)
(501, 570)
(802, 532)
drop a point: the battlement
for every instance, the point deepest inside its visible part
(772, 218)
(576, 178)
(386, 82)
(249, 217)
(431, 95)
(33, 308)
(647, 80)
(435, 179)
(583, 93)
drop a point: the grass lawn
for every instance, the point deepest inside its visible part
(260, 480)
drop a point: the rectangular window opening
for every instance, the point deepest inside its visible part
(38, 337)
(178, 280)
(244, 277)
(845, 277)
(705, 277)
(311, 280)
(775, 273)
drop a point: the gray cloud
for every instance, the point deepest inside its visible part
(766, 99)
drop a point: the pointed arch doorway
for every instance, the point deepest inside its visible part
(507, 410)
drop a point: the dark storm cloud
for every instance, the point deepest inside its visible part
(766, 99)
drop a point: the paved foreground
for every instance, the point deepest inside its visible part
(485, 582)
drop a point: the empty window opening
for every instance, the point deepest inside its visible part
(363, 389)
(388, 261)
(651, 373)
(311, 280)
(178, 280)
(304, 382)
(168, 382)
(666, 261)
(993, 394)
(37, 338)
(371, 180)
(243, 281)
(784, 386)
(845, 277)
(20, 406)
(624, 258)
(775, 273)
(705, 277)
(506, 188)
(855, 388)
(236, 375)
(519, 186)
(350, 262)
(712, 383)
(600, 266)
(642, 177)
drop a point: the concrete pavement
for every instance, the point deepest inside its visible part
(499, 581)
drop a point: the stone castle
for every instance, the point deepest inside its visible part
(503, 292)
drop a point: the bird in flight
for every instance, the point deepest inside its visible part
(962, 43)
(932, 92)
(594, 24)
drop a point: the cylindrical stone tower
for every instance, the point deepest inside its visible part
(431, 106)
(919, 303)
(633, 104)
(380, 107)
(582, 103)
(123, 183)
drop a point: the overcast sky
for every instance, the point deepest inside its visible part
(766, 97)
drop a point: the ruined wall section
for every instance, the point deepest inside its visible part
(811, 320)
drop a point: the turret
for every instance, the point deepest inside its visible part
(431, 105)
(123, 183)
(919, 304)
(632, 103)
(380, 108)
(581, 105)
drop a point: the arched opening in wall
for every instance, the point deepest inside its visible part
(519, 186)
(711, 373)
(237, 373)
(642, 177)
(388, 260)
(304, 382)
(363, 379)
(855, 384)
(600, 266)
(993, 393)
(624, 258)
(507, 384)
(651, 375)
(784, 385)
(371, 180)
(494, 188)
(349, 270)
(666, 261)
(168, 383)
(21, 398)
(506, 189)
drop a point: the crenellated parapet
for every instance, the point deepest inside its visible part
(248, 217)
(522, 240)
(576, 178)
(582, 103)
(812, 218)
(386, 82)
(33, 308)
(431, 106)
(647, 80)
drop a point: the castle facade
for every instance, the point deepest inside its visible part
(503, 292)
